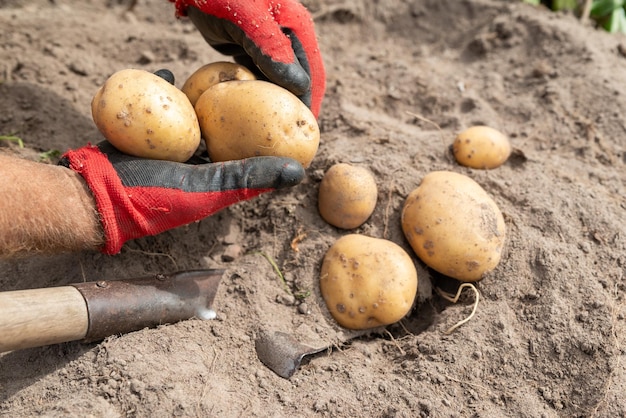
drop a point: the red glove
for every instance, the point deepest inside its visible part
(137, 197)
(277, 36)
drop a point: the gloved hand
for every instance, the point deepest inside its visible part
(278, 37)
(137, 197)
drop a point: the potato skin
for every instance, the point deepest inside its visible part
(241, 119)
(143, 115)
(367, 282)
(211, 74)
(454, 226)
(481, 147)
(347, 195)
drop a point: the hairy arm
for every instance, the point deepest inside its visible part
(45, 209)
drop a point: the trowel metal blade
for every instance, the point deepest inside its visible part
(282, 353)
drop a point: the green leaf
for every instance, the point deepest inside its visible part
(621, 20)
(564, 4)
(603, 8)
(13, 138)
(614, 22)
(50, 154)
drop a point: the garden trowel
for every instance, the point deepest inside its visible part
(91, 311)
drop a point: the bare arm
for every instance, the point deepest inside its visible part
(45, 209)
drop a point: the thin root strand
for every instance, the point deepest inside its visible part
(454, 299)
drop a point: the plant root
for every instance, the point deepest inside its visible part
(454, 299)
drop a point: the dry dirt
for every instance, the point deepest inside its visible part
(548, 337)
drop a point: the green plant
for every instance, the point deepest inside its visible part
(607, 14)
(298, 294)
(49, 155)
(555, 4)
(13, 138)
(276, 269)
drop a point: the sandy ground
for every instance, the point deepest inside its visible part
(548, 336)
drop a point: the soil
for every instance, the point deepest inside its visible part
(404, 77)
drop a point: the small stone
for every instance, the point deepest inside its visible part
(146, 57)
(304, 309)
(231, 252)
(232, 236)
(320, 406)
(137, 386)
(286, 299)
(78, 68)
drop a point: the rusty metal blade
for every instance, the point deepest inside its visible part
(282, 353)
(120, 306)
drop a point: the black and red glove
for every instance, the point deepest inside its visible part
(278, 37)
(137, 197)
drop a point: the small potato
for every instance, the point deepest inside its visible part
(143, 115)
(347, 195)
(367, 282)
(211, 74)
(481, 147)
(241, 119)
(454, 226)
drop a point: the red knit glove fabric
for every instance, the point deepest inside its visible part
(138, 197)
(278, 37)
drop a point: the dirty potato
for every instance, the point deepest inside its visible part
(347, 195)
(367, 282)
(481, 147)
(143, 115)
(454, 226)
(211, 74)
(241, 119)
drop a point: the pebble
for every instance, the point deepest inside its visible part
(137, 386)
(231, 236)
(286, 299)
(231, 253)
(320, 406)
(146, 57)
(304, 309)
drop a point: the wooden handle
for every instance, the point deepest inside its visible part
(37, 317)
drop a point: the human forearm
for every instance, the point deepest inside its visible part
(45, 209)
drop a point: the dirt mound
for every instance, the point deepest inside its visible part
(403, 78)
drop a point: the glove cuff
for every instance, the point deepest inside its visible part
(107, 188)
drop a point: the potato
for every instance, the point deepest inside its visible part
(347, 195)
(241, 119)
(367, 282)
(143, 115)
(213, 73)
(454, 226)
(481, 147)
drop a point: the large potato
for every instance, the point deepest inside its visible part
(454, 226)
(367, 282)
(211, 74)
(347, 195)
(241, 119)
(143, 115)
(481, 147)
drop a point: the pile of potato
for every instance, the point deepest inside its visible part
(449, 221)
(238, 116)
